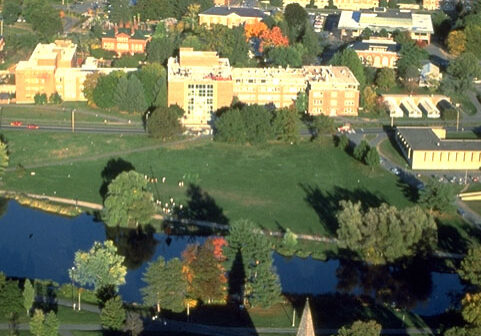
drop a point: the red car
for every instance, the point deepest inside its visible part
(16, 123)
(32, 126)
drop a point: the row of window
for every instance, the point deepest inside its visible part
(452, 156)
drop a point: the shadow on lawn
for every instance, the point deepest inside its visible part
(113, 168)
(326, 203)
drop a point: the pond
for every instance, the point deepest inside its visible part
(38, 245)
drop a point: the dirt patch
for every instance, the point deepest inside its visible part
(68, 152)
(239, 198)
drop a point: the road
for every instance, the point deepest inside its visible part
(78, 129)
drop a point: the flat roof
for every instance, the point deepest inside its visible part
(373, 44)
(241, 11)
(423, 138)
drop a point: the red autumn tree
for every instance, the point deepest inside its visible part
(254, 29)
(273, 38)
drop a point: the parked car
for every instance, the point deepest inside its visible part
(32, 126)
(396, 171)
(16, 123)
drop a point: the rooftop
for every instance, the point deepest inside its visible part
(60, 51)
(375, 44)
(138, 34)
(240, 11)
(389, 20)
(424, 138)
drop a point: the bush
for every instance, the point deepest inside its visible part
(40, 99)
(55, 99)
(361, 150)
(164, 122)
(101, 53)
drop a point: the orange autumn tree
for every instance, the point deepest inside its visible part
(273, 38)
(254, 29)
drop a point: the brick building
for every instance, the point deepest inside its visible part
(125, 40)
(341, 4)
(200, 82)
(53, 68)
(230, 16)
(352, 23)
(377, 52)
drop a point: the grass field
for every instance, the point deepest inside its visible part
(295, 186)
(388, 150)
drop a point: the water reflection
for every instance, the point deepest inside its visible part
(38, 245)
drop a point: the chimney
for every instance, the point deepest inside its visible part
(132, 30)
(116, 29)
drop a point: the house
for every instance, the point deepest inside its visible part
(126, 40)
(429, 73)
(230, 16)
(427, 148)
(377, 52)
(201, 83)
(352, 23)
(413, 106)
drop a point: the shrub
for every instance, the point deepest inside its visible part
(55, 99)
(40, 99)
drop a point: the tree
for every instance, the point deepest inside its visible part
(43, 17)
(343, 142)
(166, 285)
(130, 95)
(3, 158)
(437, 196)
(133, 324)
(471, 308)
(99, 267)
(349, 58)
(40, 99)
(361, 150)
(456, 42)
(384, 234)
(301, 102)
(112, 315)
(273, 38)
(462, 71)
(470, 269)
(11, 298)
(103, 95)
(257, 120)
(284, 56)
(386, 79)
(230, 127)
(322, 125)
(36, 323)
(160, 49)
(164, 122)
(367, 32)
(411, 78)
(360, 328)
(295, 17)
(442, 24)
(153, 78)
(410, 57)
(261, 285)
(369, 98)
(311, 43)
(372, 157)
(89, 85)
(55, 99)
(128, 203)
(11, 10)
(285, 125)
(28, 296)
(120, 11)
(254, 29)
(51, 324)
(473, 38)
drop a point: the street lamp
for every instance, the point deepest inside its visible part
(71, 278)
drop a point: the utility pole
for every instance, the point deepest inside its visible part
(73, 120)
(457, 119)
(293, 317)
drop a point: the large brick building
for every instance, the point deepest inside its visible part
(377, 52)
(200, 82)
(125, 41)
(420, 26)
(53, 68)
(341, 4)
(230, 16)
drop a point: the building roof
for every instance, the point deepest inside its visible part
(138, 34)
(240, 11)
(387, 45)
(424, 138)
(306, 326)
(389, 20)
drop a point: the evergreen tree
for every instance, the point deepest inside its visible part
(349, 58)
(230, 127)
(3, 158)
(437, 196)
(133, 324)
(285, 125)
(470, 269)
(11, 298)
(112, 315)
(164, 122)
(28, 296)
(372, 157)
(361, 150)
(51, 324)
(120, 95)
(36, 323)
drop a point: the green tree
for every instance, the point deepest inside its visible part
(257, 124)
(471, 308)
(361, 150)
(40, 99)
(261, 284)
(28, 296)
(441, 23)
(153, 78)
(230, 127)
(11, 10)
(285, 125)
(154, 9)
(120, 11)
(112, 315)
(284, 56)
(473, 38)
(322, 125)
(437, 196)
(166, 285)
(90, 83)
(130, 95)
(311, 43)
(3, 158)
(228, 42)
(360, 328)
(470, 269)
(301, 102)
(128, 203)
(11, 298)
(411, 78)
(462, 71)
(164, 122)
(372, 157)
(36, 325)
(367, 32)
(349, 58)
(55, 99)
(343, 142)
(43, 17)
(133, 324)
(276, 3)
(51, 324)
(105, 89)
(384, 234)
(99, 267)
(295, 17)
(386, 78)
(410, 56)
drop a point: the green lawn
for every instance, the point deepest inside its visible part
(295, 186)
(475, 206)
(388, 150)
